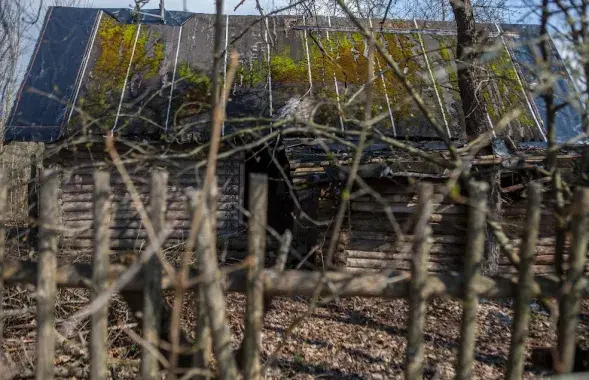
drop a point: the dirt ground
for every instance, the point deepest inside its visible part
(347, 339)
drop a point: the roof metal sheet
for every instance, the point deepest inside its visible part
(289, 65)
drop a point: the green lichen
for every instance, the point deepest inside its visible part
(286, 70)
(193, 76)
(116, 42)
(444, 51)
(194, 90)
(511, 96)
(116, 48)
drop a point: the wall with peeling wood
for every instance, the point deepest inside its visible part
(127, 230)
(369, 241)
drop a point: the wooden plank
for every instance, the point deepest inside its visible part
(355, 249)
(384, 226)
(176, 196)
(524, 296)
(436, 239)
(403, 198)
(83, 228)
(543, 259)
(571, 300)
(229, 242)
(136, 233)
(477, 214)
(172, 215)
(304, 283)
(407, 208)
(100, 267)
(4, 181)
(404, 265)
(79, 188)
(141, 175)
(258, 201)
(417, 295)
(214, 297)
(129, 206)
(46, 275)
(365, 217)
(152, 292)
(440, 257)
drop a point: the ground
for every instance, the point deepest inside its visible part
(348, 339)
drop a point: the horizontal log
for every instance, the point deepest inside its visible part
(142, 233)
(540, 259)
(176, 196)
(131, 243)
(368, 216)
(143, 189)
(404, 265)
(383, 226)
(377, 236)
(78, 227)
(144, 173)
(405, 198)
(402, 187)
(513, 212)
(407, 255)
(407, 208)
(170, 215)
(542, 241)
(95, 153)
(364, 247)
(305, 283)
(130, 206)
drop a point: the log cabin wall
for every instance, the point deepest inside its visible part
(371, 243)
(514, 217)
(127, 230)
(374, 244)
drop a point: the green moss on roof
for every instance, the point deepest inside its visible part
(504, 77)
(116, 42)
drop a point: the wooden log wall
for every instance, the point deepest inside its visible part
(126, 228)
(513, 223)
(373, 244)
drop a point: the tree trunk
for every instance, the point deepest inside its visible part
(472, 102)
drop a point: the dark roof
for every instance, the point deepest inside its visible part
(121, 74)
(149, 16)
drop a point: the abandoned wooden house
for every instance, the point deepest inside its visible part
(147, 80)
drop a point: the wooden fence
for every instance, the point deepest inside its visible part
(149, 276)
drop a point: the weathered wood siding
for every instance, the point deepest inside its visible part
(371, 242)
(126, 229)
(514, 216)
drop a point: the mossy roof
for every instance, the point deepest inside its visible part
(153, 78)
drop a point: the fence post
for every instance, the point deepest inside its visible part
(570, 302)
(100, 268)
(525, 293)
(152, 291)
(258, 204)
(46, 287)
(213, 292)
(417, 296)
(3, 211)
(477, 215)
(202, 342)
